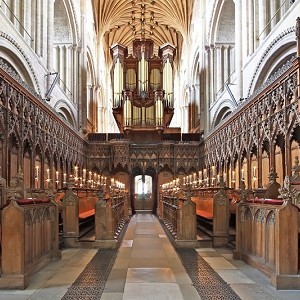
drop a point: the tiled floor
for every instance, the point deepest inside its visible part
(148, 267)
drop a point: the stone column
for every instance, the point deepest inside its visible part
(273, 15)
(226, 64)
(238, 48)
(251, 26)
(262, 20)
(74, 72)
(207, 89)
(38, 28)
(219, 68)
(212, 74)
(27, 21)
(50, 34)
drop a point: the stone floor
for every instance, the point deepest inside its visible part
(148, 267)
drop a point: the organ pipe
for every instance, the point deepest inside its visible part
(138, 95)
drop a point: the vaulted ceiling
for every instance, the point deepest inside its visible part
(122, 21)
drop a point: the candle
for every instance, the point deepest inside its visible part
(242, 171)
(200, 175)
(48, 173)
(65, 177)
(76, 172)
(84, 174)
(233, 176)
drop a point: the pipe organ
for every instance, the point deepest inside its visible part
(142, 86)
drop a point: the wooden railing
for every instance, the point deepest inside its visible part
(29, 240)
(110, 217)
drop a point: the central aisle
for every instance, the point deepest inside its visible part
(147, 266)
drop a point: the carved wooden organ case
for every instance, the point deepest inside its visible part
(142, 86)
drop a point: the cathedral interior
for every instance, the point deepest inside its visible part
(149, 149)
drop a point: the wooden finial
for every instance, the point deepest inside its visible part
(288, 193)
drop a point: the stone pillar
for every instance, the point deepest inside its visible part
(212, 74)
(226, 64)
(219, 68)
(273, 15)
(238, 48)
(262, 20)
(50, 34)
(74, 70)
(207, 89)
(38, 28)
(251, 26)
(27, 20)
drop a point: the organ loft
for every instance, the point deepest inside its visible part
(143, 94)
(149, 149)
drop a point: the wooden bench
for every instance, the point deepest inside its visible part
(267, 234)
(204, 207)
(30, 242)
(78, 214)
(212, 209)
(179, 216)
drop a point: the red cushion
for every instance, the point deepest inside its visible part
(87, 214)
(204, 214)
(273, 201)
(32, 201)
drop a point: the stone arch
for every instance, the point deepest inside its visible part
(222, 23)
(279, 53)
(16, 61)
(65, 112)
(223, 111)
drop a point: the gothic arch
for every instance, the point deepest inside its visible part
(225, 108)
(14, 58)
(65, 21)
(280, 51)
(65, 111)
(222, 25)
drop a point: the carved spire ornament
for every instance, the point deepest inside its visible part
(288, 193)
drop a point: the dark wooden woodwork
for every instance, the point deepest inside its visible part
(179, 216)
(110, 215)
(29, 240)
(213, 204)
(267, 238)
